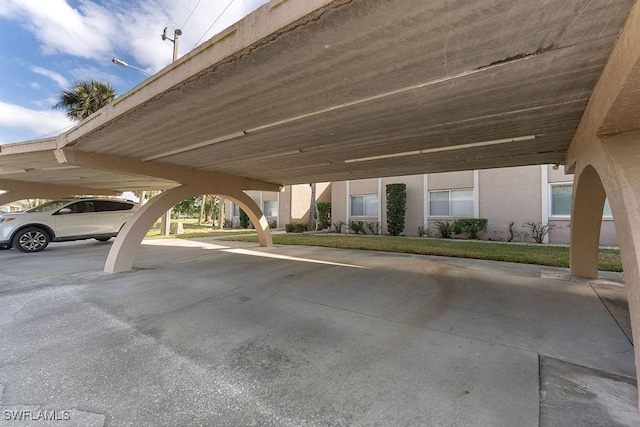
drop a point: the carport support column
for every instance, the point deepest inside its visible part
(123, 251)
(9, 197)
(611, 164)
(586, 220)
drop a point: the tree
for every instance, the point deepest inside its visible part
(396, 208)
(85, 98)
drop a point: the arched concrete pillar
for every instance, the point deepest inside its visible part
(613, 163)
(125, 247)
(586, 219)
(11, 196)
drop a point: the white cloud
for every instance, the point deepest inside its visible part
(98, 30)
(56, 77)
(40, 122)
(94, 73)
(82, 32)
(122, 27)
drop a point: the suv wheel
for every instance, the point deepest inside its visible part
(30, 239)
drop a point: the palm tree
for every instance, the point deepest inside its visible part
(85, 98)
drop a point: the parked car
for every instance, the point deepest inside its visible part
(64, 220)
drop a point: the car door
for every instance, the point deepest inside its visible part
(112, 214)
(76, 220)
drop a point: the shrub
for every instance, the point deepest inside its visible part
(357, 227)
(324, 213)
(244, 219)
(300, 227)
(373, 227)
(288, 228)
(537, 231)
(445, 228)
(273, 223)
(338, 226)
(228, 223)
(424, 230)
(472, 227)
(396, 208)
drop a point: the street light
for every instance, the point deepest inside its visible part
(124, 64)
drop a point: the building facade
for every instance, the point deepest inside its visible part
(527, 194)
(290, 205)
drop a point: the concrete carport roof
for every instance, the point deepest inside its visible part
(321, 90)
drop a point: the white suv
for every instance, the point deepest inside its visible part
(64, 220)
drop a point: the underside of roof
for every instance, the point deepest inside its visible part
(310, 91)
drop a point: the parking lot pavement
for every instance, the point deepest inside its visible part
(205, 332)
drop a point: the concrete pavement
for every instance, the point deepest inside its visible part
(222, 333)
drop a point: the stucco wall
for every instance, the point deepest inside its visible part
(509, 194)
(363, 186)
(338, 202)
(450, 180)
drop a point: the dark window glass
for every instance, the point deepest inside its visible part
(81, 207)
(110, 205)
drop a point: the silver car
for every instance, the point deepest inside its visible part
(64, 220)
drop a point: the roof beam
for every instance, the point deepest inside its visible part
(46, 190)
(612, 109)
(175, 173)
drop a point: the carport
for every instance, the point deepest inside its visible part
(301, 92)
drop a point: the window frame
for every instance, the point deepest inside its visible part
(550, 203)
(449, 191)
(277, 208)
(364, 205)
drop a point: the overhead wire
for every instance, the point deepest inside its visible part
(214, 23)
(190, 14)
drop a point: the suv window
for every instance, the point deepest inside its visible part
(81, 207)
(110, 205)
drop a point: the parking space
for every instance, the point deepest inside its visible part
(206, 332)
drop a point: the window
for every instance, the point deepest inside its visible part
(560, 201)
(270, 208)
(457, 203)
(236, 209)
(109, 205)
(364, 205)
(81, 207)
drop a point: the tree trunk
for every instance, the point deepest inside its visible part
(221, 214)
(313, 208)
(201, 216)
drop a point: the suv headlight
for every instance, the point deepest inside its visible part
(6, 219)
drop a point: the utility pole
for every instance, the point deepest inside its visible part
(165, 223)
(176, 33)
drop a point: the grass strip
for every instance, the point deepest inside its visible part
(555, 256)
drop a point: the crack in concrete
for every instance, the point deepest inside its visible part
(611, 314)
(516, 57)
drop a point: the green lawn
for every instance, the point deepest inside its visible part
(556, 256)
(192, 230)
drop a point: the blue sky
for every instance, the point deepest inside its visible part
(48, 44)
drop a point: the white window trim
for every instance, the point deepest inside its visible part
(364, 205)
(550, 198)
(449, 190)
